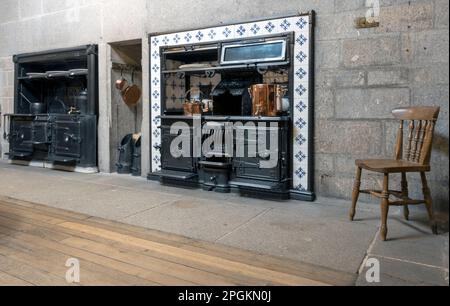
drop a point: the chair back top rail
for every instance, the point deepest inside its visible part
(422, 121)
(417, 113)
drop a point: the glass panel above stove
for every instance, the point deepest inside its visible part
(259, 52)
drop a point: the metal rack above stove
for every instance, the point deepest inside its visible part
(229, 67)
(49, 76)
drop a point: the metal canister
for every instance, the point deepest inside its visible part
(81, 101)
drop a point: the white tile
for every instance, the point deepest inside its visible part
(187, 37)
(242, 31)
(284, 25)
(226, 32)
(256, 29)
(300, 24)
(268, 27)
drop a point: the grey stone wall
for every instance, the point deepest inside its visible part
(361, 75)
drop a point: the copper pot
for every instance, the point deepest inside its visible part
(267, 99)
(195, 106)
(192, 108)
(121, 84)
(131, 95)
(263, 100)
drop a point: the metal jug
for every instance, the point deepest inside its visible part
(81, 101)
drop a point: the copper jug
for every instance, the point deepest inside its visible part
(261, 95)
(266, 100)
(195, 106)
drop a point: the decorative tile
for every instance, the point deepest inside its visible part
(156, 94)
(176, 39)
(255, 29)
(187, 37)
(286, 25)
(165, 40)
(300, 156)
(300, 140)
(301, 40)
(156, 107)
(156, 121)
(301, 90)
(300, 173)
(155, 68)
(301, 106)
(301, 57)
(199, 36)
(243, 31)
(270, 27)
(219, 33)
(302, 23)
(301, 73)
(156, 133)
(212, 34)
(157, 159)
(300, 187)
(155, 41)
(227, 32)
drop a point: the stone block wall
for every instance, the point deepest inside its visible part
(361, 74)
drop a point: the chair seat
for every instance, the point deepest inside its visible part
(391, 166)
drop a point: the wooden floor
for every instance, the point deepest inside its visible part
(36, 241)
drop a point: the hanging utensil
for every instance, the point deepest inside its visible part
(122, 83)
(132, 93)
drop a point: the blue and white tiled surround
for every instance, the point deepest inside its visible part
(300, 25)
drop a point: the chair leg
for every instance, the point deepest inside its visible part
(429, 202)
(385, 208)
(355, 195)
(405, 195)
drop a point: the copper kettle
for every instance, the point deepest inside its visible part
(196, 106)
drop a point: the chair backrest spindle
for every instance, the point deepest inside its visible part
(399, 146)
(410, 140)
(421, 126)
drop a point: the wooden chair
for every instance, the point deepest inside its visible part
(416, 158)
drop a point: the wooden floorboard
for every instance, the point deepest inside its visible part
(36, 241)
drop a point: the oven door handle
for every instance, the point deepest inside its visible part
(264, 155)
(71, 136)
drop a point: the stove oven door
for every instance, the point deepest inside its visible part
(251, 166)
(170, 162)
(20, 137)
(41, 131)
(66, 140)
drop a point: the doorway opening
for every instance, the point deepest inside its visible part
(126, 104)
